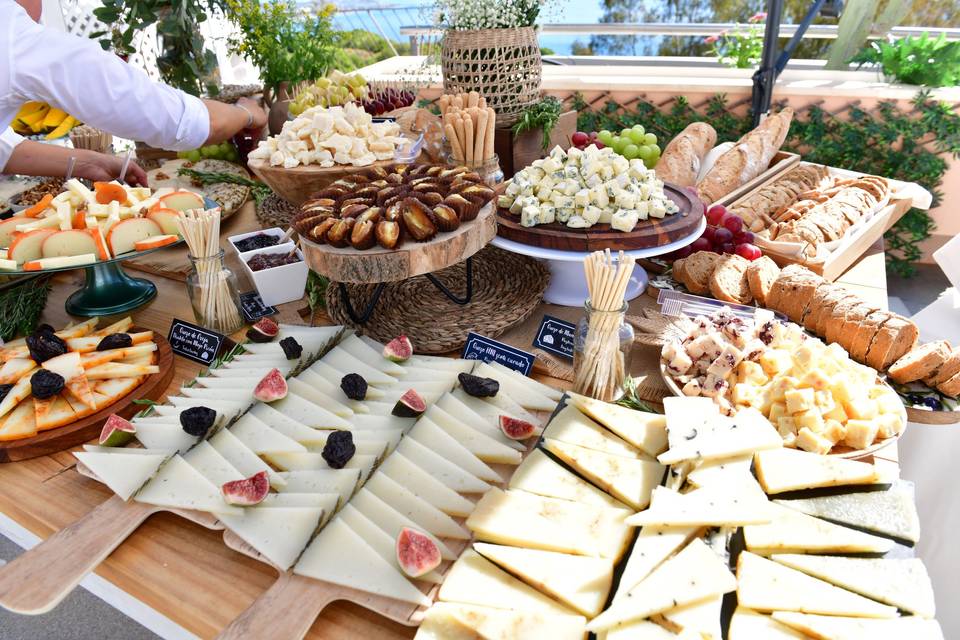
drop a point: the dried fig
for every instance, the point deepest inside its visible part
(445, 218)
(339, 234)
(362, 236)
(388, 234)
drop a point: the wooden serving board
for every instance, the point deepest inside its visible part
(410, 259)
(87, 428)
(296, 185)
(782, 161)
(649, 233)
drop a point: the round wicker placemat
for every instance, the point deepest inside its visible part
(506, 289)
(274, 211)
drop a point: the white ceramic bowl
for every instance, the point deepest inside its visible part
(278, 285)
(276, 232)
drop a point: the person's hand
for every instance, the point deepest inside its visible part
(101, 167)
(259, 115)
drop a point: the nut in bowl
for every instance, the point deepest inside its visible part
(818, 398)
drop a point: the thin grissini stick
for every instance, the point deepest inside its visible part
(491, 133)
(468, 140)
(458, 101)
(473, 98)
(479, 144)
(483, 103)
(454, 142)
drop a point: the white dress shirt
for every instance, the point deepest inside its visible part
(93, 85)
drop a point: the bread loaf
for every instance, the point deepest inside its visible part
(697, 269)
(920, 362)
(682, 157)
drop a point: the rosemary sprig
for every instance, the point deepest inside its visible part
(21, 307)
(630, 400)
(260, 190)
(543, 115)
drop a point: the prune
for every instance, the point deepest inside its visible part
(291, 348)
(4, 390)
(44, 345)
(354, 386)
(44, 328)
(478, 386)
(45, 384)
(338, 449)
(115, 341)
(196, 421)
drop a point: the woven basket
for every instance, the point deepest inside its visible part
(504, 65)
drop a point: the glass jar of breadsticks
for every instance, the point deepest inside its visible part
(469, 127)
(602, 344)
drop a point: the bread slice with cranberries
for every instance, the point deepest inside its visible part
(920, 362)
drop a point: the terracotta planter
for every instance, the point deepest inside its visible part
(279, 102)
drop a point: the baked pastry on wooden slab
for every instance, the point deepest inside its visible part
(761, 274)
(921, 362)
(728, 282)
(681, 159)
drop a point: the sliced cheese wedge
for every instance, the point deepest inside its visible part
(211, 465)
(428, 517)
(121, 471)
(540, 475)
(164, 436)
(790, 531)
(404, 472)
(491, 427)
(694, 574)
(19, 423)
(700, 619)
(262, 438)
(747, 432)
(480, 444)
(475, 580)
(328, 502)
(646, 431)
(377, 538)
(724, 471)
(343, 482)
(580, 582)
(343, 361)
(213, 382)
(242, 458)
(711, 506)
(278, 533)
(438, 363)
(222, 372)
(15, 368)
(572, 427)
(307, 413)
(19, 391)
(791, 470)
(390, 520)
(319, 398)
(534, 385)
(456, 621)
(242, 396)
(526, 397)
(651, 548)
(287, 426)
(846, 628)
(492, 408)
(765, 585)
(645, 630)
(630, 480)
(368, 354)
(341, 557)
(449, 470)
(747, 624)
(180, 486)
(903, 583)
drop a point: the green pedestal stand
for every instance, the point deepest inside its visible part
(108, 291)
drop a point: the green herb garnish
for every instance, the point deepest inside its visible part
(543, 115)
(21, 307)
(260, 190)
(630, 400)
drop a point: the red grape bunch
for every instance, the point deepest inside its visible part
(725, 233)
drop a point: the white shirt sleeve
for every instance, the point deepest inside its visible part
(98, 88)
(8, 140)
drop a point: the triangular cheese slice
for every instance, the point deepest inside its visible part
(123, 472)
(702, 618)
(449, 470)
(19, 423)
(114, 389)
(903, 583)
(783, 470)
(646, 431)
(377, 538)
(20, 391)
(428, 517)
(391, 520)
(844, 628)
(689, 417)
(53, 412)
(319, 398)
(695, 573)
(492, 408)
(16, 368)
(475, 580)
(242, 458)
(711, 506)
(179, 486)
(580, 582)
(79, 388)
(478, 443)
(646, 630)
(343, 361)
(278, 533)
(287, 426)
(211, 465)
(490, 427)
(651, 548)
(890, 512)
(747, 624)
(572, 427)
(402, 471)
(456, 621)
(539, 474)
(747, 432)
(764, 585)
(720, 471)
(525, 396)
(630, 480)
(343, 482)
(308, 414)
(790, 531)
(262, 438)
(341, 557)
(163, 436)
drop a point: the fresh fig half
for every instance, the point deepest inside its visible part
(399, 349)
(263, 330)
(410, 405)
(516, 429)
(247, 492)
(417, 553)
(116, 431)
(272, 386)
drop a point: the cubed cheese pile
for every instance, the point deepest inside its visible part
(583, 188)
(815, 394)
(329, 136)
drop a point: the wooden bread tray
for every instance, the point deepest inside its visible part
(782, 161)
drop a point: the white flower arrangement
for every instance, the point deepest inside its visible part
(489, 14)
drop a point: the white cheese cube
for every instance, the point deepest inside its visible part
(544, 193)
(624, 220)
(578, 222)
(574, 155)
(593, 181)
(622, 180)
(513, 189)
(606, 215)
(561, 201)
(620, 164)
(535, 173)
(612, 188)
(516, 207)
(557, 153)
(591, 214)
(505, 201)
(725, 362)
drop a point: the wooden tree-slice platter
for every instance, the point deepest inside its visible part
(409, 260)
(297, 184)
(647, 234)
(87, 428)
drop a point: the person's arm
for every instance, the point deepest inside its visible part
(33, 158)
(227, 119)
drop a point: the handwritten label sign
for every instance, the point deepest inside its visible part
(193, 342)
(556, 336)
(251, 304)
(488, 350)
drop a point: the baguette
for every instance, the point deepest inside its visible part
(895, 340)
(950, 387)
(920, 362)
(866, 334)
(683, 156)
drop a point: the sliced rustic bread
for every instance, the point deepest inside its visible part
(728, 282)
(815, 303)
(949, 368)
(866, 333)
(697, 269)
(950, 387)
(677, 270)
(920, 362)
(761, 274)
(852, 322)
(779, 294)
(833, 326)
(897, 337)
(830, 308)
(797, 291)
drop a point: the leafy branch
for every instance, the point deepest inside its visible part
(21, 307)
(543, 115)
(260, 190)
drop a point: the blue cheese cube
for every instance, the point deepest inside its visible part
(622, 180)
(527, 191)
(582, 198)
(557, 175)
(547, 181)
(657, 209)
(571, 187)
(671, 206)
(550, 164)
(645, 190)
(561, 201)
(544, 192)
(606, 214)
(574, 154)
(557, 153)
(612, 188)
(564, 214)
(522, 180)
(607, 172)
(626, 200)
(578, 222)
(599, 197)
(530, 216)
(571, 172)
(643, 209)
(548, 213)
(513, 189)
(535, 174)
(624, 220)
(591, 214)
(505, 201)
(516, 207)
(620, 164)
(594, 180)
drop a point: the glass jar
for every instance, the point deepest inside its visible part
(601, 353)
(489, 171)
(212, 288)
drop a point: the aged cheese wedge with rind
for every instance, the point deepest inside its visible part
(765, 585)
(903, 583)
(178, 485)
(526, 397)
(340, 481)
(784, 470)
(19, 391)
(338, 555)
(456, 621)
(711, 506)
(475, 580)
(211, 465)
(747, 432)
(721, 471)
(651, 548)
(572, 427)
(242, 458)
(164, 437)
(580, 582)
(428, 517)
(123, 472)
(630, 480)
(700, 619)
(493, 407)
(534, 385)
(790, 531)
(747, 624)
(377, 538)
(283, 424)
(480, 445)
(401, 470)
(540, 475)
(261, 438)
(391, 520)
(646, 431)
(449, 470)
(847, 628)
(319, 398)
(308, 414)
(694, 574)
(491, 428)
(278, 533)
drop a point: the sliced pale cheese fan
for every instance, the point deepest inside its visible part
(285, 425)
(319, 398)
(180, 486)
(580, 582)
(377, 538)
(765, 585)
(721, 471)
(540, 475)
(694, 574)
(688, 417)
(454, 621)
(646, 431)
(526, 397)
(747, 432)
(123, 472)
(475, 580)
(572, 427)
(790, 531)
(390, 520)
(450, 471)
(480, 444)
(277, 533)
(630, 480)
(53, 412)
(747, 624)
(366, 353)
(784, 470)
(521, 519)
(341, 557)
(491, 408)
(211, 465)
(307, 413)
(710, 506)
(903, 583)
(340, 481)
(343, 361)
(163, 436)
(490, 427)
(428, 517)
(700, 619)
(422, 484)
(852, 628)
(651, 548)
(262, 438)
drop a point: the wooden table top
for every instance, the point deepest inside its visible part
(178, 568)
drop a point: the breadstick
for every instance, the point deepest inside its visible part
(491, 134)
(458, 101)
(483, 103)
(454, 142)
(444, 104)
(468, 140)
(461, 130)
(479, 150)
(473, 98)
